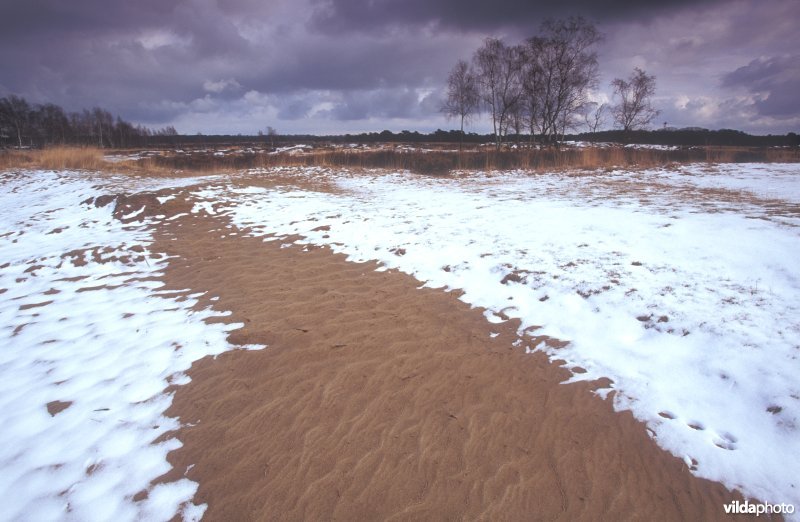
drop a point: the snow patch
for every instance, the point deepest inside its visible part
(89, 345)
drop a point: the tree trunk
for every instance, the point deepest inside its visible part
(461, 136)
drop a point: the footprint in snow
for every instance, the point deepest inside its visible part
(725, 441)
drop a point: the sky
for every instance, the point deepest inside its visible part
(348, 66)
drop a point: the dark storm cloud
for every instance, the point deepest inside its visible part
(776, 82)
(483, 15)
(387, 104)
(126, 56)
(53, 18)
(295, 108)
(131, 56)
(357, 62)
(51, 21)
(316, 62)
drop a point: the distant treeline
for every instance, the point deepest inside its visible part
(692, 137)
(23, 124)
(32, 125)
(675, 137)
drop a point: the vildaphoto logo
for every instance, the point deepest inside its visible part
(757, 509)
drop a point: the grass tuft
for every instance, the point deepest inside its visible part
(56, 158)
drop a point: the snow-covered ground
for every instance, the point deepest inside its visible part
(682, 286)
(89, 343)
(779, 182)
(607, 144)
(292, 149)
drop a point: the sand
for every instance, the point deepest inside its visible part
(378, 400)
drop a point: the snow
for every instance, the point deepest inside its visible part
(784, 183)
(682, 287)
(293, 149)
(607, 144)
(83, 321)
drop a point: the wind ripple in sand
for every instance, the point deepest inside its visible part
(686, 296)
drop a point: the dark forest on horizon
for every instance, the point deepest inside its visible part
(23, 124)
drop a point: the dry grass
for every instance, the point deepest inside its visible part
(56, 158)
(441, 162)
(76, 158)
(432, 162)
(752, 154)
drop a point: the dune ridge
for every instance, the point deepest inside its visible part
(380, 400)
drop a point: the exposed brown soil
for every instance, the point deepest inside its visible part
(377, 400)
(56, 407)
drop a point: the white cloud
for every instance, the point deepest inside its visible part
(220, 85)
(157, 38)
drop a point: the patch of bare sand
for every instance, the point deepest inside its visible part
(376, 400)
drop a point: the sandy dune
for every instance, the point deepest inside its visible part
(377, 400)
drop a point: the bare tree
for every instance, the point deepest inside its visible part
(125, 132)
(103, 123)
(510, 93)
(560, 68)
(498, 68)
(462, 96)
(634, 109)
(16, 114)
(52, 123)
(44, 124)
(487, 66)
(530, 106)
(169, 130)
(516, 119)
(272, 133)
(595, 115)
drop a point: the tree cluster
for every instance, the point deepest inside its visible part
(541, 87)
(33, 125)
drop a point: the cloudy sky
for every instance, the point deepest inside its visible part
(335, 66)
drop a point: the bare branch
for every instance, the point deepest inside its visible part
(560, 68)
(462, 94)
(634, 110)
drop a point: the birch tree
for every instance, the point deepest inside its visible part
(634, 109)
(498, 69)
(462, 96)
(16, 113)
